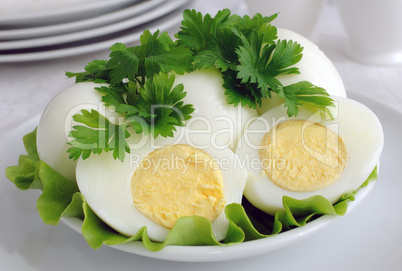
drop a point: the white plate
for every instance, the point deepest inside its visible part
(369, 238)
(233, 252)
(145, 17)
(163, 24)
(32, 12)
(121, 14)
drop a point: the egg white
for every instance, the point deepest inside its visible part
(56, 121)
(314, 67)
(105, 184)
(360, 130)
(225, 122)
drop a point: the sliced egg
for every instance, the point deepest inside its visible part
(310, 154)
(225, 122)
(314, 67)
(56, 121)
(161, 180)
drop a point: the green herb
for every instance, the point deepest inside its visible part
(140, 89)
(304, 93)
(245, 49)
(155, 108)
(156, 53)
(247, 52)
(98, 135)
(94, 71)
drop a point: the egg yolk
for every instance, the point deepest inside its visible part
(175, 181)
(302, 156)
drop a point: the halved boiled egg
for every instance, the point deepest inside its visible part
(310, 154)
(314, 67)
(162, 180)
(56, 121)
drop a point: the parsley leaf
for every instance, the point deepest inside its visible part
(98, 135)
(286, 54)
(222, 54)
(112, 95)
(253, 67)
(199, 34)
(305, 93)
(238, 93)
(258, 23)
(94, 71)
(123, 63)
(197, 30)
(260, 64)
(159, 53)
(163, 105)
(157, 107)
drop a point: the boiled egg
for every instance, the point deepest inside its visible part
(56, 121)
(212, 114)
(160, 181)
(314, 67)
(310, 154)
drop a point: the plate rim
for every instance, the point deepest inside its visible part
(92, 33)
(40, 31)
(48, 15)
(163, 24)
(230, 252)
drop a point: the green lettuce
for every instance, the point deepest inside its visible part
(61, 198)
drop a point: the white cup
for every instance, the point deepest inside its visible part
(374, 28)
(299, 16)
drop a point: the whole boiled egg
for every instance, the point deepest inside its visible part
(56, 121)
(314, 67)
(212, 114)
(160, 181)
(311, 154)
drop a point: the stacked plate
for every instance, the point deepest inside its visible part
(44, 29)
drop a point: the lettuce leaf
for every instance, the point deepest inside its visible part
(24, 174)
(57, 199)
(60, 197)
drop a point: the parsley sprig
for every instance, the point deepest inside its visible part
(250, 57)
(245, 49)
(140, 88)
(98, 135)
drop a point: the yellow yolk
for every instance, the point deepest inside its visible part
(302, 156)
(175, 181)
